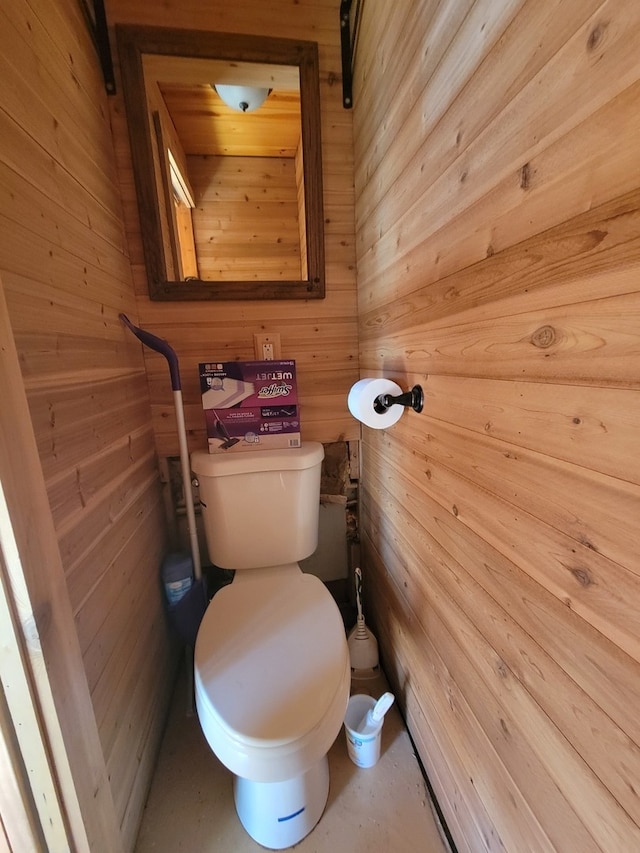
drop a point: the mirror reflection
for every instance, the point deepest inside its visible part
(230, 187)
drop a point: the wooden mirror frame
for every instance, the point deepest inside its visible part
(135, 41)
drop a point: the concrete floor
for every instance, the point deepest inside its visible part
(383, 808)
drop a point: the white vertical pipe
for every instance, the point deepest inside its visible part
(186, 480)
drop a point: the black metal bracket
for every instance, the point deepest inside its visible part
(349, 21)
(413, 398)
(96, 19)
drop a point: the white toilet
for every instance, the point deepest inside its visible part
(272, 669)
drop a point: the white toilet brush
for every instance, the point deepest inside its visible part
(363, 646)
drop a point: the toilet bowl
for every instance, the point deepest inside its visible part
(271, 666)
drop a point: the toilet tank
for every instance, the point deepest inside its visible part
(260, 507)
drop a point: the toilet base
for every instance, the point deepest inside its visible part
(279, 814)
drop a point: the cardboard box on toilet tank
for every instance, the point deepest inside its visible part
(249, 405)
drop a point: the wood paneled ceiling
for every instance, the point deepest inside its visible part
(206, 125)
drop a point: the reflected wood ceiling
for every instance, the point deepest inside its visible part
(206, 125)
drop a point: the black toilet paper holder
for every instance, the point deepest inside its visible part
(413, 398)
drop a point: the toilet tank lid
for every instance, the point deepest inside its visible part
(206, 464)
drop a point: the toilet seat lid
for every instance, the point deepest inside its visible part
(270, 656)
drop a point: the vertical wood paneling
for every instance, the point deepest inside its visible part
(201, 331)
(64, 263)
(498, 246)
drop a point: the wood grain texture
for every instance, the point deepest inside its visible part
(64, 264)
(497, 238)
(54, 709)
(246, 217)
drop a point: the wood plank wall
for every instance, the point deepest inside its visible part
(321, 335)
(498, 252)
(64, 263)
(245, 220)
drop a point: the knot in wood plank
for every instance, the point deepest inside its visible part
(596, 35)
(544, 337)
(582, 576)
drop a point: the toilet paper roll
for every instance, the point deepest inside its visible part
(364, 394)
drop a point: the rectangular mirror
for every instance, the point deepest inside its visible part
(229, 191)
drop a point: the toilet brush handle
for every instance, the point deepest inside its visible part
(382, 706)
(372, 720)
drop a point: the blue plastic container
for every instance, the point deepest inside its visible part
(177, 576)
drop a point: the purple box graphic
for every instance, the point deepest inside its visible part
(250, 405)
